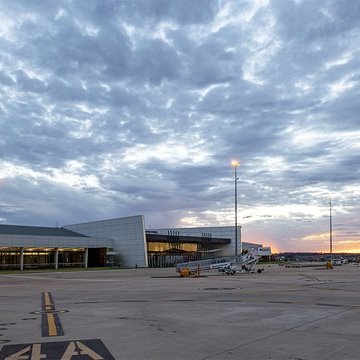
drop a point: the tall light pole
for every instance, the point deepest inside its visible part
(330, 204)
(235, 165)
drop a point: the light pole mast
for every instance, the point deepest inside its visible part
(330, 204)
(236, 164)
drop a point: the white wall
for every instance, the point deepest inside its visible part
(127, 233)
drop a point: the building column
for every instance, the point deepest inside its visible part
(56, 258)
(21, 258)
(86, 257)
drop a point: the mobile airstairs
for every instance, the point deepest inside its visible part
(229, 265)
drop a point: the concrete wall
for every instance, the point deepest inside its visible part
(127, 233)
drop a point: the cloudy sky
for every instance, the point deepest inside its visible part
(118, 108)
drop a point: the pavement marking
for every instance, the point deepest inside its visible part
(48, 303)
(4, 341)
(64, 350)
(51, 325)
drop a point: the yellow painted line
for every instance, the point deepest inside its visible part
(51, 325)
(47, 299)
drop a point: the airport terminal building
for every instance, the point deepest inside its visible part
(119, 242)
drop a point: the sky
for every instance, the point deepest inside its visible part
(119, 108)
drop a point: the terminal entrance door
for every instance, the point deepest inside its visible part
(97, 257)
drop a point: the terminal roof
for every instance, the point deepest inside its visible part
(37, 231)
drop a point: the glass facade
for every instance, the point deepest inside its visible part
(169, 253)
(165, 246)
(43, 258)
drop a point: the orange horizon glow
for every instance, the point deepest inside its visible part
(348, 246)
(275, 250)
(336, 249)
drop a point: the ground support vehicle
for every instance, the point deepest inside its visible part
(228, 265)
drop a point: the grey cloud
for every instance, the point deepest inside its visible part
(120, 97)
(155, 61)
(59, 91)
(180, 11)
(311, 35)
(6, 80)
(27, 84)
(344, 110)
(47, 6)
(94, 80)
(62, 46)
(303, 21)
(185, 11)
(346, 16)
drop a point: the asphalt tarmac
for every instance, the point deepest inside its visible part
(144, 314)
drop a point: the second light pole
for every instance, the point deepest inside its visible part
(236, 164)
